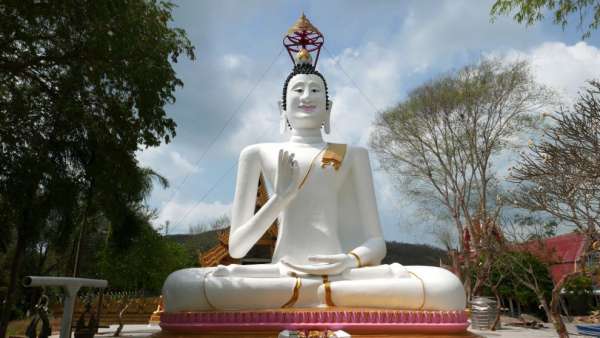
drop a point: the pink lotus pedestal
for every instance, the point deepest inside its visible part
(355, 321)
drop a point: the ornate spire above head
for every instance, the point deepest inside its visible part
(303, 24)
(302, 57)
(302, 39)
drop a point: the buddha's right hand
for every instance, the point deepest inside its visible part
(286, 179)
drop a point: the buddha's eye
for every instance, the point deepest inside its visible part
(315, 90)
(298, 90)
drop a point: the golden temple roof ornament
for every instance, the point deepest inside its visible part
(302, 39)
(303, 24)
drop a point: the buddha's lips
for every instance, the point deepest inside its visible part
(308, 108)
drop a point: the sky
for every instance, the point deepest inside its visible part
(375, 52)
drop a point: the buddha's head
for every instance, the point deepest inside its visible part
(305, 103)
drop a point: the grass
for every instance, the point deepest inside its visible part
(17, 327)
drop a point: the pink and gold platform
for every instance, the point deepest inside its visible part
(354, 321)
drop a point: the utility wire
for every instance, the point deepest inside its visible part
(212, 142)
(189, 210)
(339, 65)
(225, 174)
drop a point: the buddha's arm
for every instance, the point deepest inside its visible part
(247, 227)
(372, 251)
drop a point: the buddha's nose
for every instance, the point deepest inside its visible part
(305, 95)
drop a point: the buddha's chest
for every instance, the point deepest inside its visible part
(315, 174)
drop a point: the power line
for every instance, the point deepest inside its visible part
(337, 63)
(185, 215)
(213, 141)
(187, 212)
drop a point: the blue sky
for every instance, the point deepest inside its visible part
(387, 48)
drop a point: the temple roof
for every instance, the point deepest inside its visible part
(560, 252)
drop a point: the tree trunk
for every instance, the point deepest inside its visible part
(467, 276)
(559, 324)
(498, 313)
(11, 292)
(482, 274)
(82, 230)
(545, 306)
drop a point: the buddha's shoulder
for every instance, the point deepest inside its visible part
(357, 152)
(259, 148)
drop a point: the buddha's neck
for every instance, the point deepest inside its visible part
(307, 136)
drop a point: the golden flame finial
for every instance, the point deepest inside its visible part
(303, 56)
(303, 24)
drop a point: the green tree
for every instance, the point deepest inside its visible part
(145, 264)
(441, 141)
(83, 85)
(526, 278)
(560, 176)
(562, 11)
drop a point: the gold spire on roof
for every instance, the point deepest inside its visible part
(303, 25)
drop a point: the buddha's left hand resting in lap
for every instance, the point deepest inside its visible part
(329, 246)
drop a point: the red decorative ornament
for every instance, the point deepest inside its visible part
(302, 39)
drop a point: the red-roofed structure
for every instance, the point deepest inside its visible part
(562, 253)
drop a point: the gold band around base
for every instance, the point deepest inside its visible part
(327, 287)
(295, 294)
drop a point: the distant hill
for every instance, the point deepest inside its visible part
(414, 254)
(196, 243)
(403, 253)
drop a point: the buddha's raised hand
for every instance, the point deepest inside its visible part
(286, 178)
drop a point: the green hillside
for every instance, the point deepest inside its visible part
(403, 253)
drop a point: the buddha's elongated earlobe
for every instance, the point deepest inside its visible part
(327, 122)
(282, 118)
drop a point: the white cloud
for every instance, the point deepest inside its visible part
(166, 162)
(429, 39)
(258, 117)
(564, 68)
(182, 214)
(232, 61)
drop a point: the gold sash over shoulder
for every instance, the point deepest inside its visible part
(334, 155)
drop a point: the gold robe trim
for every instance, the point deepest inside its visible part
(295, 294)
(327, 287)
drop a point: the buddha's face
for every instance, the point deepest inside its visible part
(306, 104)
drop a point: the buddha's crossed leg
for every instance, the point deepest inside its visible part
(262, 287)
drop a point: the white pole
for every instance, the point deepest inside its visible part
(70, 286)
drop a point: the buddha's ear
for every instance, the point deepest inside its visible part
(282, 117)
(327, 122)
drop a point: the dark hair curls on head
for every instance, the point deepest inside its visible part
(305, 68)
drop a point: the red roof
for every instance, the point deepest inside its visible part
(561, 252)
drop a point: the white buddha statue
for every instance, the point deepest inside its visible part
(329, 244)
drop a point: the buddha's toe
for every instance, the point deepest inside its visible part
(184, 291)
